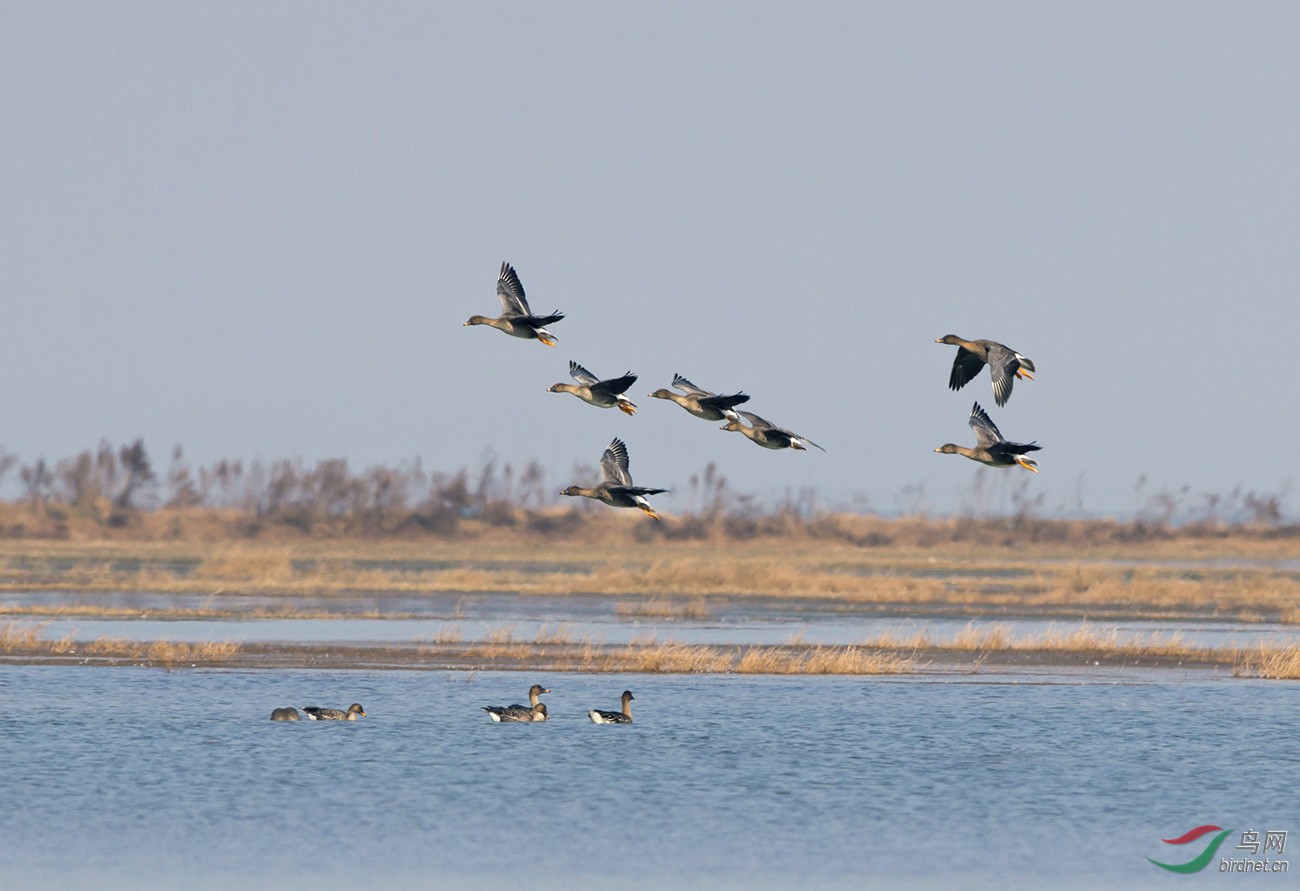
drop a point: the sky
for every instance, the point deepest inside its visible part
(255, 230)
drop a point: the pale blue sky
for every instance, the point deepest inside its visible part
(255, 230)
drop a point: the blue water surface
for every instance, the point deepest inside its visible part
(123, 778)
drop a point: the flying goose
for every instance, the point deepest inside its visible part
(1005, 365)
(594, 391)
(617, 490)
(991, 448)
(516, 318)
(767, 434)
(700, 402)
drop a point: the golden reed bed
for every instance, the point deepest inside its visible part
(555, 651)
(1096, 571)
(664, 579)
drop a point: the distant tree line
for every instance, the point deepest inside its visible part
(111, 485)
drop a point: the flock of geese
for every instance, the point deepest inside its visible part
(536, 710)
(616, 488)
(1005, 365)
(500, 714)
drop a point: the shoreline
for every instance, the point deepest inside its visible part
(667, 658)
(634, 608)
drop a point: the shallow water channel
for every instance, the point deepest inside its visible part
(600, 619)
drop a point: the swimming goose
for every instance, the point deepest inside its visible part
(992, 449)
(700, 402)
(617, 490)
(333, 714)
(516, 713)
(285, 714)
(516, 318)
(624, 717)
(767, 434)
(1005, 365)
(594, 391)
(519, 712)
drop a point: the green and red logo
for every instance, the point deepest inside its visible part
(1201, 860)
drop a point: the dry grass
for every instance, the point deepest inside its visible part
(557, 636)
(16, 637)
(993, 637)
(822, 660)
(449, 634)
(1276, 664)
(164, 652)
(501, 643)
(1262, 592)
(684, 580)
(671, 580)
(500, 636)
(289, 503)
(557, 651)
(670, 657)
(26, 640)
(232, 610)
(1110, 641)
(258, 567)
(996, 637)
(679, 658)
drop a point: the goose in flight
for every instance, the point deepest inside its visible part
(767, 434)
(516, 318)
(616, 489)
(600, 393)
(1005, 365)
(701, 402)
(991, 448)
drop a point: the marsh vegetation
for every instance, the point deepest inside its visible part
(119, 493)
(686, 580)
(290, 541)
(551, 650)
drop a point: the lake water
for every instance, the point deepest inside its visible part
(134, 778)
